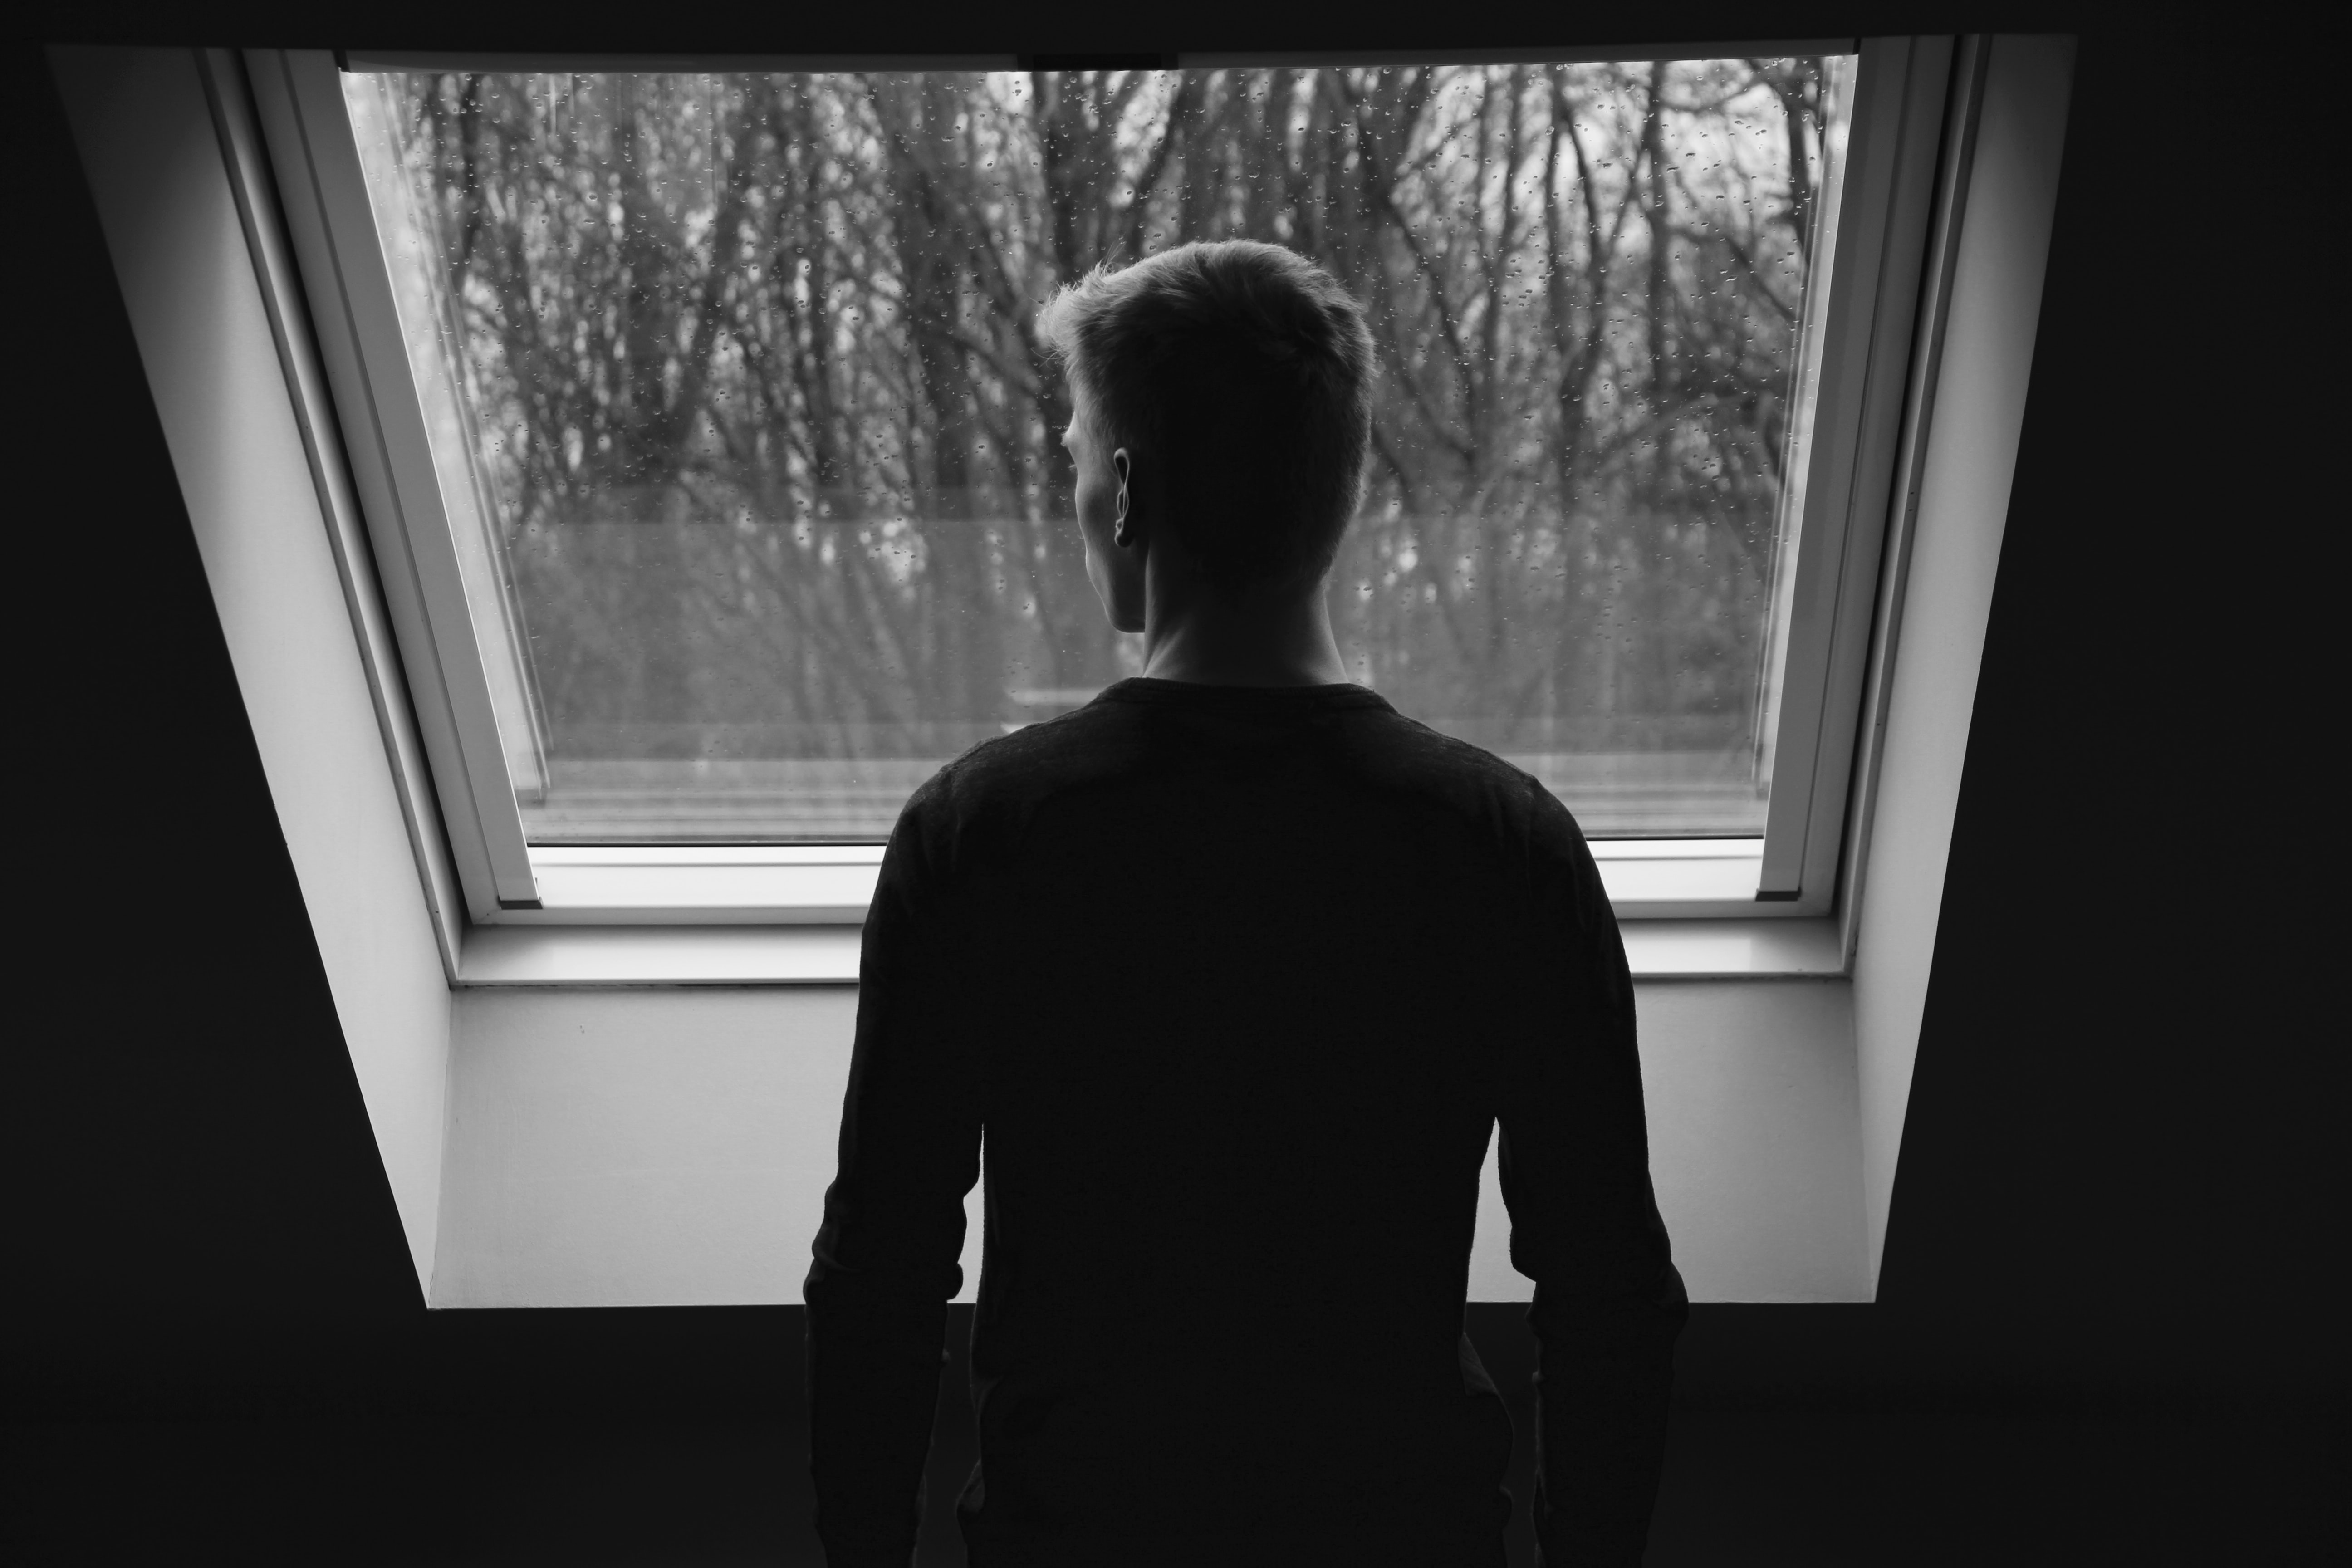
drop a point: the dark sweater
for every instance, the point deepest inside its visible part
(1238, 981)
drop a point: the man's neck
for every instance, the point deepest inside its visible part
(1215, 641)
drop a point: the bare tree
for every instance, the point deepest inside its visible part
(754, 367)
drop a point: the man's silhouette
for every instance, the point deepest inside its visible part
(1237, 968)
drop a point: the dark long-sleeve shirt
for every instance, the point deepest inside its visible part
(1237, 982)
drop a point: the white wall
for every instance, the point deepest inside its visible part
(155, 169)
(1753, 1143)
(672, 1147)
(644, 1147)
(1971, 456)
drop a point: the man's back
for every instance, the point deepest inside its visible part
(1237, 981)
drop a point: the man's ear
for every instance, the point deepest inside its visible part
(1120, 466)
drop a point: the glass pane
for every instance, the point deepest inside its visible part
(741, 414)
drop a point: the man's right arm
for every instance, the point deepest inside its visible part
(1575, 1167)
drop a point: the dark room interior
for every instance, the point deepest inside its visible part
(2125, 1094)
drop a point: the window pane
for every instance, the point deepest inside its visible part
(741, 418)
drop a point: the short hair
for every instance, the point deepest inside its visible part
(1244, 371)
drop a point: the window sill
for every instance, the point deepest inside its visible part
(805, 954)
(793, 915)
(832, 884)
(659, 956)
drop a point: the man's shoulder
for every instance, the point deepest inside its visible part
(1443, 759)
(1461, 775)
(1023, 762)
(1106, 736)
(996, 785)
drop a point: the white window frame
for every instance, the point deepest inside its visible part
(1699, 900)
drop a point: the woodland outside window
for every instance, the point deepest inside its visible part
(724, 487)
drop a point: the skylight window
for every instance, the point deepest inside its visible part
(729, 469)
(734, 383)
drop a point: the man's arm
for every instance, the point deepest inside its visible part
(887, 1258)
(1574, 1162)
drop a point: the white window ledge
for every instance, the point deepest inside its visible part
(659, 956)
(1734, 950)
(701, 885)
(832, 884)
(807, 954)
(793, 914)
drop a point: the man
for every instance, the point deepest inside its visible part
(1237, 968)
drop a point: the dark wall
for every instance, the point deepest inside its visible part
(2121, 1178)
(191, 1148)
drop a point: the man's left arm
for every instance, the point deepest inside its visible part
(886, 1258)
